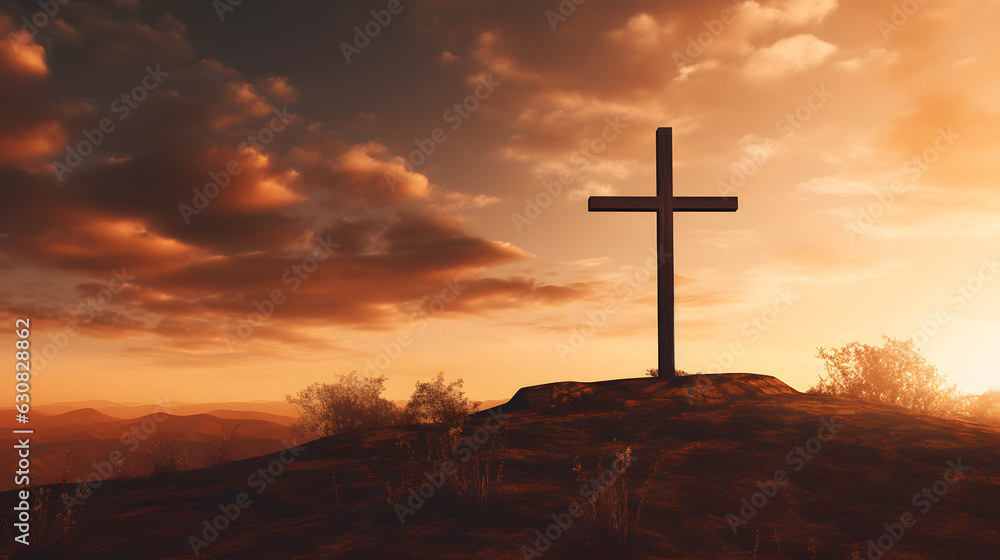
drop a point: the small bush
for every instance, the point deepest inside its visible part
(440, 404)
(984, 408)
(894, 374)
(350, 404)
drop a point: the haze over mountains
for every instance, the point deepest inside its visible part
(134, 410)
(93, 430)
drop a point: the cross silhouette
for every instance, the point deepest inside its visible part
(664, 204)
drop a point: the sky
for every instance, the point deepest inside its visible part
(214, 202)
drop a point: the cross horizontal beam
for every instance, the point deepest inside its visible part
(705, 204)
(652, 203)
(623, 203)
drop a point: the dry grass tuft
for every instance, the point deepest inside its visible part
(611, 514)
(478, 480)
(220, 451)
(54, 520)
(472, 469)
(165, 461)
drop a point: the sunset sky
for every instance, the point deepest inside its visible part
(860, 137)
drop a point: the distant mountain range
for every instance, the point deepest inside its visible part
(91, 431)
(280, 409)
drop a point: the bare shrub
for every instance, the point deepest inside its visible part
(470, 474)
(477, 482)
(165, 460)
(220, 451)
(53, 522)
(121, 465)
(611, 513)
(408, 480)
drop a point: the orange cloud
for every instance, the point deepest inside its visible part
(26, 149)
(788, 56)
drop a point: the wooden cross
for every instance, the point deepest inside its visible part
(664, 204)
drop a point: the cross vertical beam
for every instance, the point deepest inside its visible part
(664, 204)
(665, 249)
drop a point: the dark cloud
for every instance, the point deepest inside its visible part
(156, 196)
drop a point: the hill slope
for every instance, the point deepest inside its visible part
(848, 469)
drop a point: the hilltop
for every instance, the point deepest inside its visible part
(853, 472)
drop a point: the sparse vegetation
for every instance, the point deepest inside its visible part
(350, 404)
(984, 408)
(408, 479)
(355, 404)
(220, 451)
(52, 524)
(478, 479)
(336, 486)
(655, 372)
(894, 373)
(611, 515)
(121, 465)
(897, 374)
(438, 403)
(476, 476)
(165, 460)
